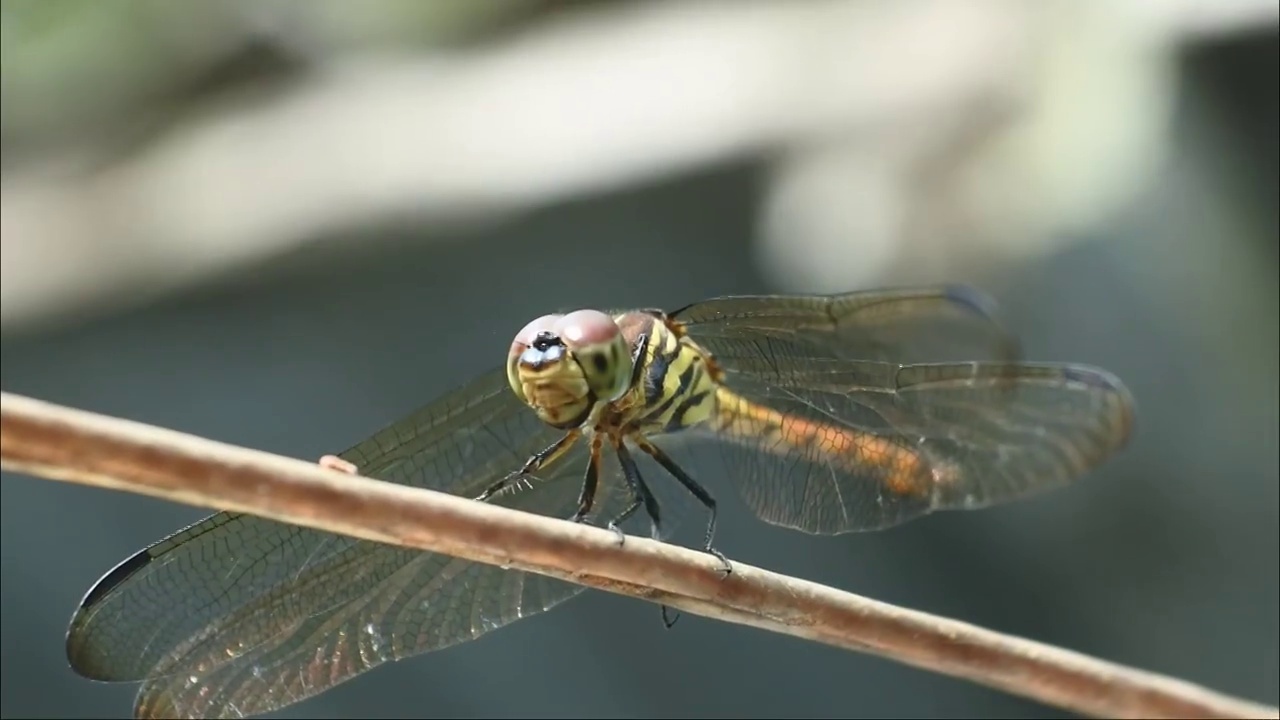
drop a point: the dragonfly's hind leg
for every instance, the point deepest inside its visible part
(696, 489)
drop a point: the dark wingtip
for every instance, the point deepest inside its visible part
(972, 298)
(1098, 378)
(115, 576)
(984, 306)
(113, 579)
(1094, 377)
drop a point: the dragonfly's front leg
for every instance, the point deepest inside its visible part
(533, 464)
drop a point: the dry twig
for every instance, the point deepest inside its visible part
(60, 443)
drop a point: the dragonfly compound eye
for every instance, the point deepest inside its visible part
(562, 365)
(599, 349)
(523, 352)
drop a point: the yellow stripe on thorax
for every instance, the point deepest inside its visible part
(676, 388)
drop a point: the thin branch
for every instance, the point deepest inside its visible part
(61, 443)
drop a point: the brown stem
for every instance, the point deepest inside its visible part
(60, 443)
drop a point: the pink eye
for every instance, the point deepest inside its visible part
(586, 328)
(529, 332)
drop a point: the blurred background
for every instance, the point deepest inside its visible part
(284, 224)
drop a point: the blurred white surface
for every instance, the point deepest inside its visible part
(960, 131)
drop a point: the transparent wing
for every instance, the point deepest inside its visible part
(824, 432)
(954, 322)
(237, 615)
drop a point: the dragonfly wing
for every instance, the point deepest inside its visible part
(823, 442)
(238, 615)
(951, 322)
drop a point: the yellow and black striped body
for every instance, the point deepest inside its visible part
(680, 386)
(677, 385)
(676, 381)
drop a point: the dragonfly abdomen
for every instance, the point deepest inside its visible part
(898, 468)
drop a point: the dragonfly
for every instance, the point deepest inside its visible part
(833, 414)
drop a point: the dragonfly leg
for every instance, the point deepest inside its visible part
(693, 487)
(626, 513)
(637, 355)
(640, 493)
(533, 464)
(590, 482)
(667, 619)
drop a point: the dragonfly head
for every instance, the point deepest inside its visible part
(563, 366)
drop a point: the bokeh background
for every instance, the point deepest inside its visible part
(284, 224)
